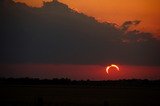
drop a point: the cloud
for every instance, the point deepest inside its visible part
(126, 25)
(57, 34)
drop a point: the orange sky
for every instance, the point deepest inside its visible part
(117, 11)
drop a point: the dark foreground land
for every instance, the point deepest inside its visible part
(27, 92)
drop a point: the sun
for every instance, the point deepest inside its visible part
(112, 65)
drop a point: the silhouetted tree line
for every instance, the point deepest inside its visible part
(67, 81)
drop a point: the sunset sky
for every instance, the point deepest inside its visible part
(116, 11)
(41, 42)
(80, 72)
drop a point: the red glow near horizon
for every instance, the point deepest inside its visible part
(78, 72)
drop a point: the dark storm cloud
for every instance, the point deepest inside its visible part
(57, 34)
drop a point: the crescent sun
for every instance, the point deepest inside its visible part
(112, 65)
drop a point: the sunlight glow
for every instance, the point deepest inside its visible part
(112, 65)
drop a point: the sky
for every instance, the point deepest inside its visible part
(79, 72)
(116, 11)
(54, 41)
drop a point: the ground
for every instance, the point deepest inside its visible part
(75, 95)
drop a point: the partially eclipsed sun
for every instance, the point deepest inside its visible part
(112, 65)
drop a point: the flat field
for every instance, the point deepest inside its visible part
(74, 95)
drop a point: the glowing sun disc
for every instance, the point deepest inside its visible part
(112, 65)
